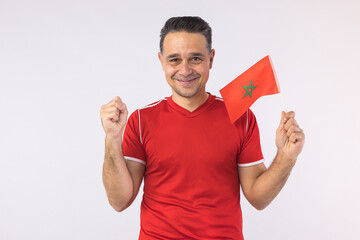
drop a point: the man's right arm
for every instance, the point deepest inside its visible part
(122, 179)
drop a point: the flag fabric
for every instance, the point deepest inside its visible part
(259, 80)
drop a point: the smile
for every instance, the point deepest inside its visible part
(186, 83)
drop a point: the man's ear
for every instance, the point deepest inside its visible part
(160, 59)
(212, 55)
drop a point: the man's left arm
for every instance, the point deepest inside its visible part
(261, 185)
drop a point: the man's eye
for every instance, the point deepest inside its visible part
(174, 60)
(196, 59)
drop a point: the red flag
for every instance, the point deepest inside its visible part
(259, 80)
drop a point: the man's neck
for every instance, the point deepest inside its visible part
(192, 103)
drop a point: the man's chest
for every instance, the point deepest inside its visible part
(190, 143)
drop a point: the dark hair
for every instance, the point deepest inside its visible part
(186, 24)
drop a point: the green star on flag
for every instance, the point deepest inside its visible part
(249, 89)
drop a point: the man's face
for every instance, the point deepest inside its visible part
(186, 62)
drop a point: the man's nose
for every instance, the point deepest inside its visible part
(185, 69)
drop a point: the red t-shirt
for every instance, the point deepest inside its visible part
(191, 182)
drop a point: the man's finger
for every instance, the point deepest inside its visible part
(114, 117)
(112, 109)
(293, 129)
(117, 98)
(290, 114)
(117, 105)
(121, 106)
(297, 137)
(290, 122)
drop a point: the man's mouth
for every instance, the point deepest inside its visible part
(187, 81)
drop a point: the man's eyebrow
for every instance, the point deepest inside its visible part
(197, 54)
(193, 54)
(172, 56)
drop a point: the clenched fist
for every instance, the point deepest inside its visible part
(114, 117)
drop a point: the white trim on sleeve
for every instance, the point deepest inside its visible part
(135, 160)
(251, 164)
(154, 104)
(247, 121)
(140, 137)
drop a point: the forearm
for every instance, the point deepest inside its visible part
(261, 185)
(268, 185)
(116, 177)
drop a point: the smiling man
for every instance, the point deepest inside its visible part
(192, 159)
(186, 61)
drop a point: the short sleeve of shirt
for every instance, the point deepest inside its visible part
(132, 144)
(250, 150)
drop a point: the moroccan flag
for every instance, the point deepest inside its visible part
(259, 80)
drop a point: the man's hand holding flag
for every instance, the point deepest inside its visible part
(260, 80)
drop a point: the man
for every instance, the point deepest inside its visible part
(192, 159)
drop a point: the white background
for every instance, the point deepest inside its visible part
(61, 60)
